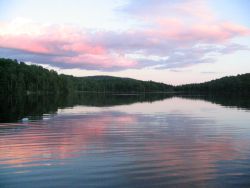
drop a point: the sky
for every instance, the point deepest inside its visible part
(170, 41)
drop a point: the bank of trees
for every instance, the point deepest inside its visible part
(228, 84)
(18, 77)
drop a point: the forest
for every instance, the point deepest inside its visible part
(19, 78)
(228, 84)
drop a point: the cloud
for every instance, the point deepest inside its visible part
(154, 9)
(61, 46)
(173, 35)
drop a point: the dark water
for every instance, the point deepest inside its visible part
(97, 140)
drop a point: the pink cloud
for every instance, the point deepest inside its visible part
(103, 60)
(24, 42)
(84, 48)
(219, 32)
(173, 30)
(65, 45)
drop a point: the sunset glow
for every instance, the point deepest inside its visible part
(167, 41)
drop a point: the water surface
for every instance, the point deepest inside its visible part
(125, 141)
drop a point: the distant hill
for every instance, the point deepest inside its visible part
(18, 77)
(118, 84)
(228, 84)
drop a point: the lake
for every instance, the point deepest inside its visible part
(97, 140)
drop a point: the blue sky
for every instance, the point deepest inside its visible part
(176, 42)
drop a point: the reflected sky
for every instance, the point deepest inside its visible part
(175, 142)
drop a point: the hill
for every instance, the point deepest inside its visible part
(228, 84)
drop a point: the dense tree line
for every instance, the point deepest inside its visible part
(116, 84)
(18, 77)
(228, 84)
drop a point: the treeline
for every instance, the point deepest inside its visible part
(120, 85)
(18, 77)
(228, 84)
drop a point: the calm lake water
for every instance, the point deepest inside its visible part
(125, 141)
